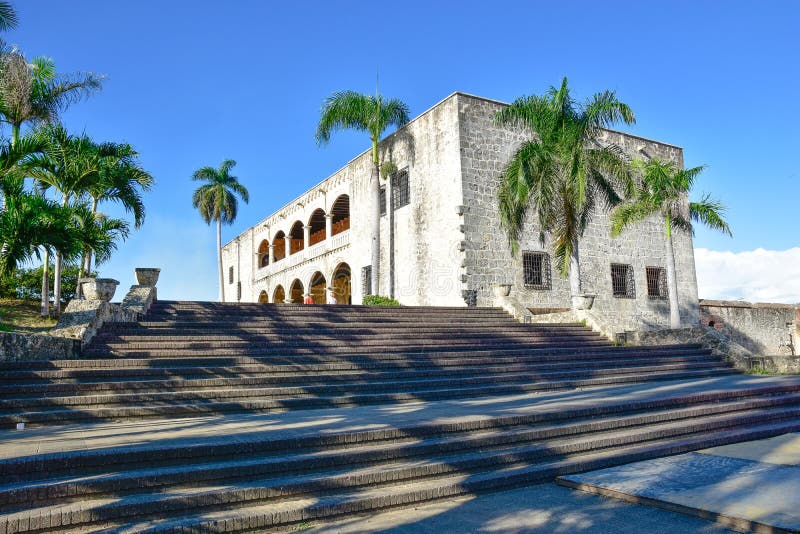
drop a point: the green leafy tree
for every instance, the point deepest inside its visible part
(69, 165)
(33, 92)
(121, 180)
(216, 201)
(373, 115)
(563, 172)
(663, 191)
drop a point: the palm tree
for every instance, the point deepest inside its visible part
(31, 222)
(97, 232)
(35, 92)
(121, 179)
(216, 201)
(373, 115)
(70, 165)
(663, 190)
(8, 17)
(563, 173)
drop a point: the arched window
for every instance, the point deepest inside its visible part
(279, 252)
(341, 284)
(263, 298)
(296, 292)
(263, 254)
(296, 238)
(317, 224)
(317, 288)
(279, 295)
(341, 215)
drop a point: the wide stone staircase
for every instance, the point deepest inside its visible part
(235, 417)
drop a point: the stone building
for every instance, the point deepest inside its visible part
(441, 242)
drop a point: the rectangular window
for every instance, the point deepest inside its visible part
(622, 283)
(383, 201)
(400, 193)
(230, 275)
(238, 291)
(656, 282)
(536, 269)
(366, 280)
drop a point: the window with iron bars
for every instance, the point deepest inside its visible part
(536, 269)
(383, 201)
(400, 193)
(656, 282)
(230, 275)
(366, 280)
(622, 283)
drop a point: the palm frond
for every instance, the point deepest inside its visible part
(710, 212)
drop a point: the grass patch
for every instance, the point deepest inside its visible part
(23, 316)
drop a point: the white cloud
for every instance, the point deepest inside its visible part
(755, 275)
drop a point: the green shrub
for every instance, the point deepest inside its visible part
(377, 300)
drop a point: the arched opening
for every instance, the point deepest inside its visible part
(341, 215)
(279, 252)
(263, 298)
(296, 292)
(317, 288)
(279, 295)
(296, 238)
(341, 284)
(317, 224)
(263, 254)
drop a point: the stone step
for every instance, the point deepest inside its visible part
(57, 368)
(326, 385)
(153, 473)
(319, 504)
(243, 400)
(176, 377)
(513, 464)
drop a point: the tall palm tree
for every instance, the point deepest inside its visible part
(69, 165)
(564, 172)
(121, 180)
(34, 92)
(97, 232)
(663, 190)
(373, 115)
(8, 17)
(216, 200)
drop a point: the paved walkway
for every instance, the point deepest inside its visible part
(544, 509)
(149, 434)
(750, 485)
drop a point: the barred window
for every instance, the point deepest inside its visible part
(536, 269)
(230, 275)
(366, 280)
(622, 283)
(238, 291)
(656, 282)
(400, 194)
(383, 201)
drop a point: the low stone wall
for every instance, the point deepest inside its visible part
(18, 347)
(764, 329)
(83, 318)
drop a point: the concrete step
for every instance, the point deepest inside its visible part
(177, 377)
(62, 409)
(492, 468)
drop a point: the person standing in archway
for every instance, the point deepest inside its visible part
(331, 296)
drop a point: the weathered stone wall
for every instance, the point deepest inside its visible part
(764, 329)
(18, 347)
(485, 150)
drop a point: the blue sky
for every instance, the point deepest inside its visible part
(190, 83)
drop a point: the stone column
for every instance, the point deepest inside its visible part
(287, 243)
(306, 236)
(328, 225)
(271, 253)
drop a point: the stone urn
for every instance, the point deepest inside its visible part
(583, 302)
(502, 290)
(147, 276)
(99, 288)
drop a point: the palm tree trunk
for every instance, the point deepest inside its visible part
(46, 284)
(390, 223)
(15, 128)
(574, 271)
(219, 258)
(375, 229)
(57, 285)
(672, 282)
(86, 261)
